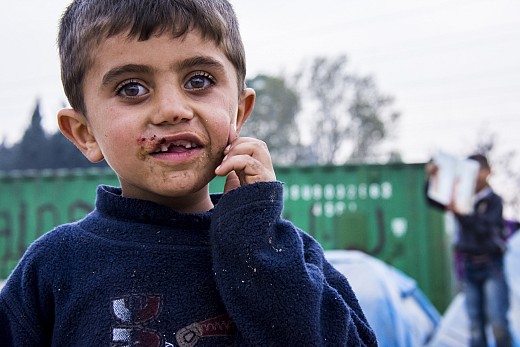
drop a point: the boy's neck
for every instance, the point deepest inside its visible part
(195, 203)
(189, 205)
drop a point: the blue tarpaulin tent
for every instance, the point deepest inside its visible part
(402, 316)
(395, 307)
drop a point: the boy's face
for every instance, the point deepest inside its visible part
(482, 178)
(161, 112)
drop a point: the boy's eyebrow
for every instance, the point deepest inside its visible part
(199, 61)
(114, 73)
(205, 61)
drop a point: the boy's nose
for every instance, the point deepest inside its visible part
(173, 107)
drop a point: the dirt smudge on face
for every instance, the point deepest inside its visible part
(148, 145)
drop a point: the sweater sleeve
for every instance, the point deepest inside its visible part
(274, 279)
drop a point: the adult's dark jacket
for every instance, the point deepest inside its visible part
(482, 231)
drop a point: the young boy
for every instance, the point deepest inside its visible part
(157, 90)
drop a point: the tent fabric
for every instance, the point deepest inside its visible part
(395, 307)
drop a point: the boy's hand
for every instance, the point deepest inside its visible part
(247, 160)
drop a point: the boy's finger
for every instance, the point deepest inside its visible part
(232, 182)
(248, 169)
(254, 149)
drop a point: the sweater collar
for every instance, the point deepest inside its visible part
(117, 217)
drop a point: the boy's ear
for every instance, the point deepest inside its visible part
(245, 107)
(76, 128)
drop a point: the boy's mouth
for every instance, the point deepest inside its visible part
(173, 144)
(177, 146)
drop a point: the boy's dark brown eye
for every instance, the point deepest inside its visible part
(131, 90)
(202, 81)
(197, 82)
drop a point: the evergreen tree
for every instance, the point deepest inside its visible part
(5, 157)
(38, 150)
(66, 155)
(32, 150)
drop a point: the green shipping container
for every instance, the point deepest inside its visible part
(378, 209)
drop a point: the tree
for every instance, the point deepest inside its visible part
(6, 158)
(32, 150)
(370, 124)
(350, 118)
(274, 118)
(66, 155)
(39, 150)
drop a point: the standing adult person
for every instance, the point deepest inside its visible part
(480, 246)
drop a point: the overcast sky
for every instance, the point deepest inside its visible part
(452, 66)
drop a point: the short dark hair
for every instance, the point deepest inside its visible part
(481, 159)
(85, 23)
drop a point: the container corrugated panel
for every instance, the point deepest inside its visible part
(379, 209)
(32, 203)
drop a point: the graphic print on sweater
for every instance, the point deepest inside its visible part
(134, 313)
(217, 326)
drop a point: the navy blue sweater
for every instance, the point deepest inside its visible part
(133, 273)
